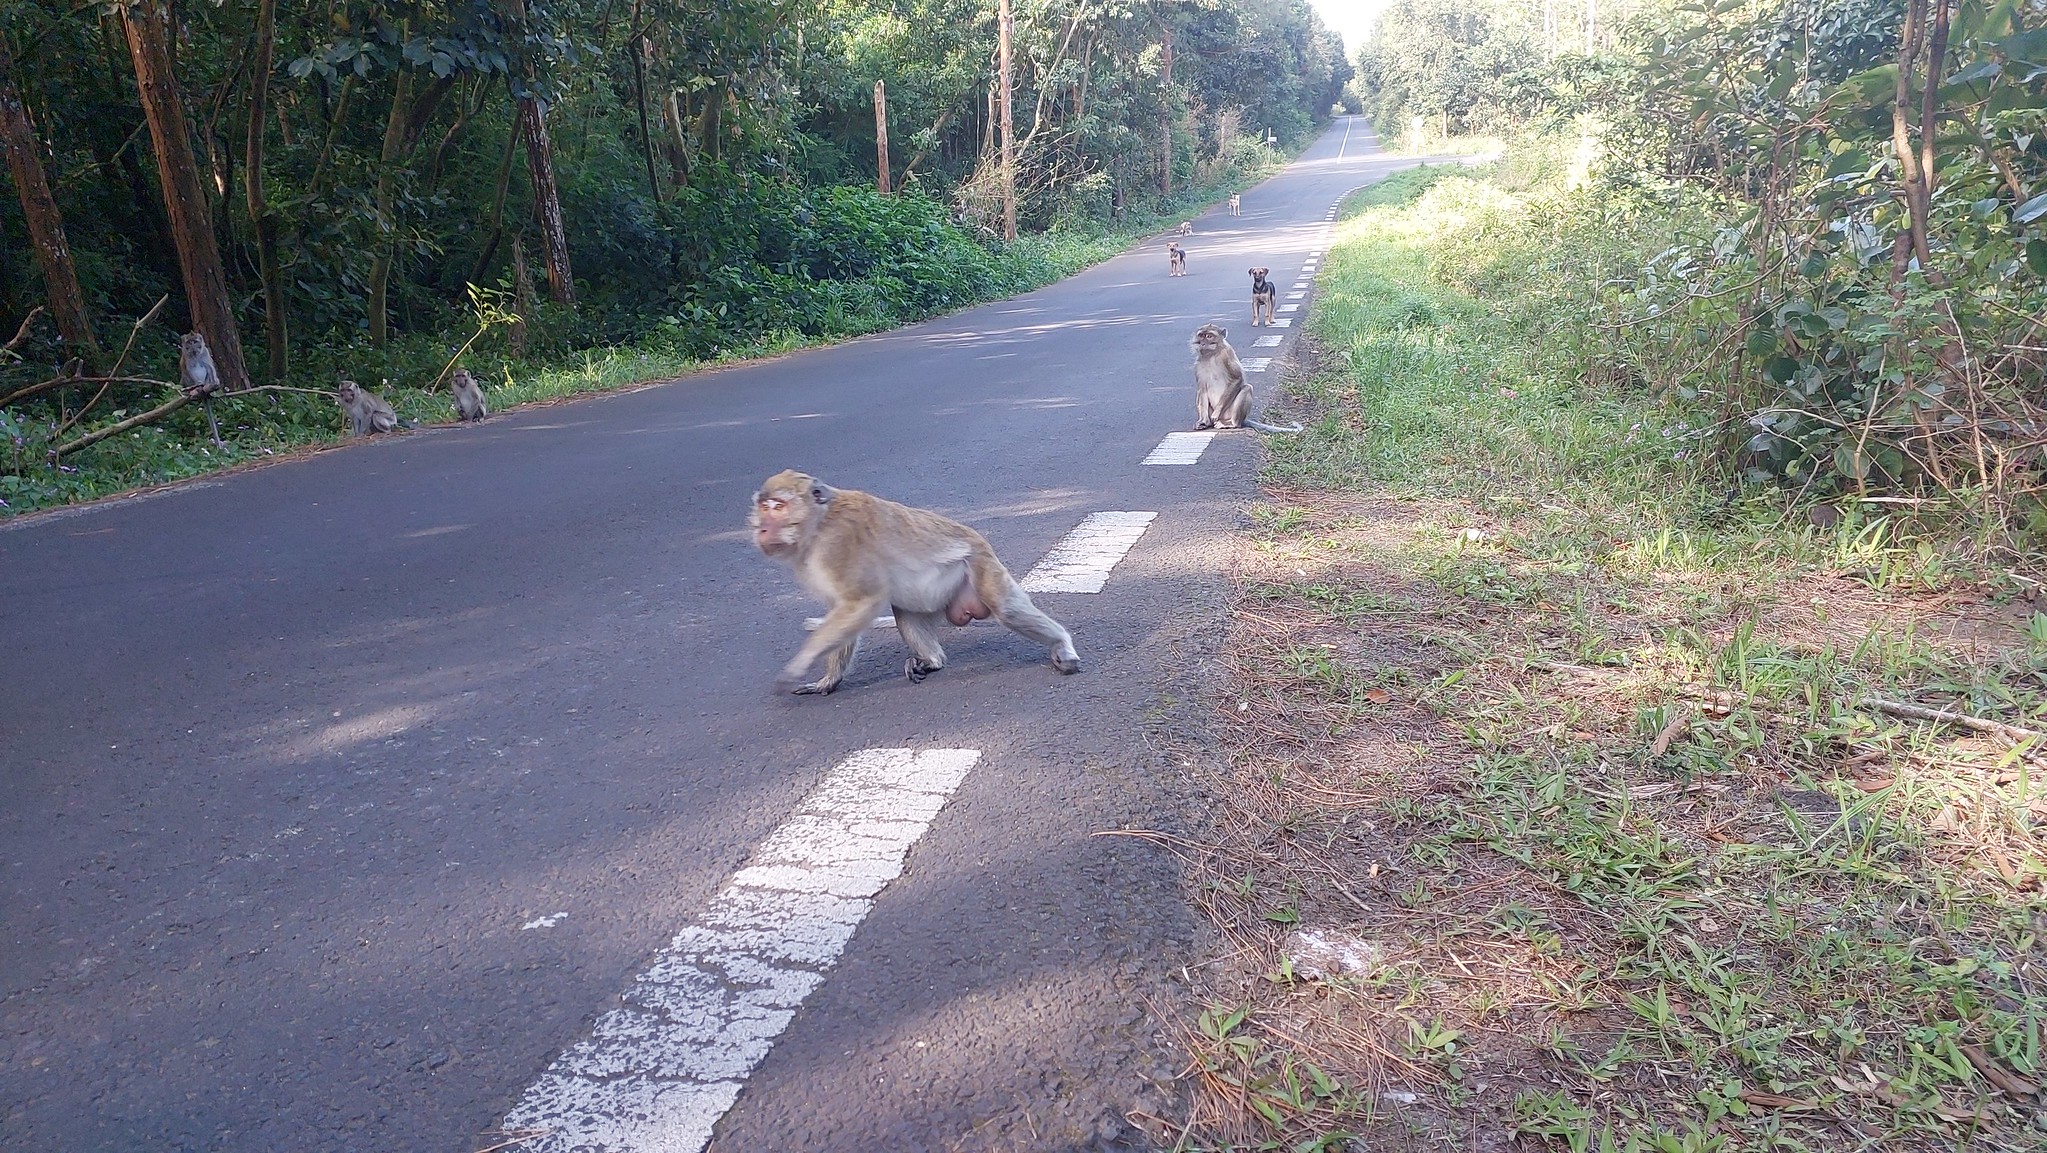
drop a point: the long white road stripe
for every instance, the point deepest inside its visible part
(658, 1072)
(1080, 563)
(1180, 448)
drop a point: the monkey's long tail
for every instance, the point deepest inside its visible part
(1263, 427)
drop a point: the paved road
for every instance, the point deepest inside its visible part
(342, 798)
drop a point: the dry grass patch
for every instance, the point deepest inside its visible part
(1512, 853)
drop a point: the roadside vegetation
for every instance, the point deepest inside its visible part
(1631, 729)
(563, 194)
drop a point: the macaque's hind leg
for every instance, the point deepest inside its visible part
(920, 632)
(1027, 619)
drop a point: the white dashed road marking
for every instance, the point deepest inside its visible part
(1080, 563)
(1296, 295)
(810, 624)
(657, 1073)
(1289, 308)
(1267, 342)
(1256, 363)
(1283, 322)
(1180, 448)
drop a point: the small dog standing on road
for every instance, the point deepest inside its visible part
(1263, 294)
(1186, 228)
(1236, 202)
(1176, 259)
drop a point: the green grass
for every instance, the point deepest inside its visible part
(1580, 736)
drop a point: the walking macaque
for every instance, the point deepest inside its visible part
(1176, 259)
(1263, 296)
(864, 556)
(1222, 397)
(1186, 228)
(469, 404)
(195, 364)
(367, 412)
(1236, 202)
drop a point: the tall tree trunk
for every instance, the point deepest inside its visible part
(1166, 174)
(674, 140)
(640, 48)
(387, 207)
(147, 24)
(45, 222)
(711, 125)
(881, 135)
(1008, 144)
(275, 315)
(1913, 179)
(547, 205)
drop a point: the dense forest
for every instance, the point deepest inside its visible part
(367, 189)
(1820, 225)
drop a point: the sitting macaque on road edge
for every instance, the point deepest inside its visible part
(367, 412)
(1222, 397)
(469, 403)
(863, 556)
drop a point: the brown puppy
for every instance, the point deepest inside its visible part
(1176, 259)
(1263, 295)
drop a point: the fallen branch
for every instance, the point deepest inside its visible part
(21, 333)
(97, 435)
(61, 380)
(1945, 717)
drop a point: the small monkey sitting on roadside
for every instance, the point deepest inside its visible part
(1263, 295)
(367, 412)
(195, 364)
(469, 404)
(1222, 397)
(1176, 259)
(862, 555)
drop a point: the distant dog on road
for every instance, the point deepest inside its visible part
(1176, 259)
(1263, 294)
(1186, 228)
(1236, 202)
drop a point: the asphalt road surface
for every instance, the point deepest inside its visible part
(372, 800)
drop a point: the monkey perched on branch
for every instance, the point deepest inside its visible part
(195, 365)
(863, 555)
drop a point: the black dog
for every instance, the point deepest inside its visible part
(1263, 294)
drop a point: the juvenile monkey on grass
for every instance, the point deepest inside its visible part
(469, 403)
(863, 555)
(367, 412)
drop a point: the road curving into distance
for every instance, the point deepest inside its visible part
(372, 800)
